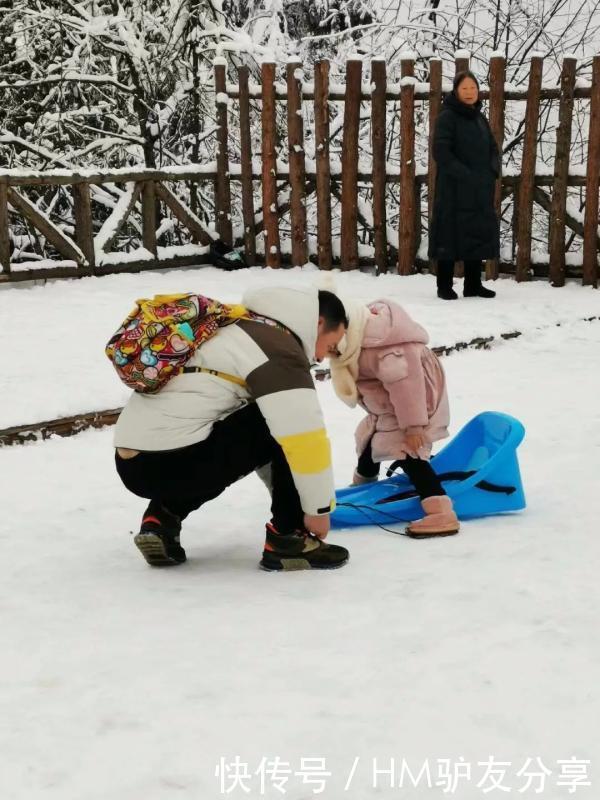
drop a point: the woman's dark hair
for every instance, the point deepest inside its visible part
(460, 77)
(332, 310)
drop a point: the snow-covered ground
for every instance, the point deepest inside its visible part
(123, 682)
(53, 336)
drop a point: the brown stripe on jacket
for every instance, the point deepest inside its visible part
(287, 367)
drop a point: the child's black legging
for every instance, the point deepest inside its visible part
(422, 475)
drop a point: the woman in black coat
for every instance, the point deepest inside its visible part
(464, 225)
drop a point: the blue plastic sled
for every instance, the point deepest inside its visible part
(479, 470)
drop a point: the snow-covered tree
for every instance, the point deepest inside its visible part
(117, 82)
(110, 81)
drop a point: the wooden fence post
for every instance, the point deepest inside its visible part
(222, 189)
(323, 176)
(269, 167)
(561, 173)
(349, 227)
(497, 77)
(417, 221)
(462, 60)
(84, 232)
(407, 217)
(246, 167)
(149, 217)
(296, 162)
(524, 197)
(590, 223)
(378, 139)
(435, 104)
(4, 235)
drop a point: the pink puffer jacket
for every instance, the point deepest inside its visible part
(401, 384)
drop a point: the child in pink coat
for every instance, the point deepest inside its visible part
(386, 367)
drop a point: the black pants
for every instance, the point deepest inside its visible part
(184, 479)
(420, 472)
(445, 274)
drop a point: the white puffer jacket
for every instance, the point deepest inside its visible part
(276, 369)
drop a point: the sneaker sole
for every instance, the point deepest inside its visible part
(153, 549)
(297, 564)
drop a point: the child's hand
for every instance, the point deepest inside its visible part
(414, 442)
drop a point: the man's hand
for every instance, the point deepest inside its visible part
(318, 524)
(414, 441)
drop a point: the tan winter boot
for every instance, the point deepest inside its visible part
(439, 519)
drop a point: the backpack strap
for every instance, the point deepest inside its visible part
(224, 375)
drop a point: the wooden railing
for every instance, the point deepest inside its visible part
(285, 186)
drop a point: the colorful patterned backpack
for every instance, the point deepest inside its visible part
(160, 335)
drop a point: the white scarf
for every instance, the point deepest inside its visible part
(344, 368)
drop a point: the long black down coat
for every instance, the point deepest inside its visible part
(464, 223)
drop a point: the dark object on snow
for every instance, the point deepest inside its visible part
(464, 223)
(226, 257)
(300, 550)
(158, 539)
(472, 287)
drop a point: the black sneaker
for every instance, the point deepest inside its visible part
(479, 291)
(447, 294)
(300, 550)
(158, 539)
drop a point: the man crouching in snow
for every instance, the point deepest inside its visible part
(205, 430)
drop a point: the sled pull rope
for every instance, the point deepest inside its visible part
(364, 509)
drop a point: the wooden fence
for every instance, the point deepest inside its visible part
(88, 249)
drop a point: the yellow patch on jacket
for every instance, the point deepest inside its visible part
(307, 453)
